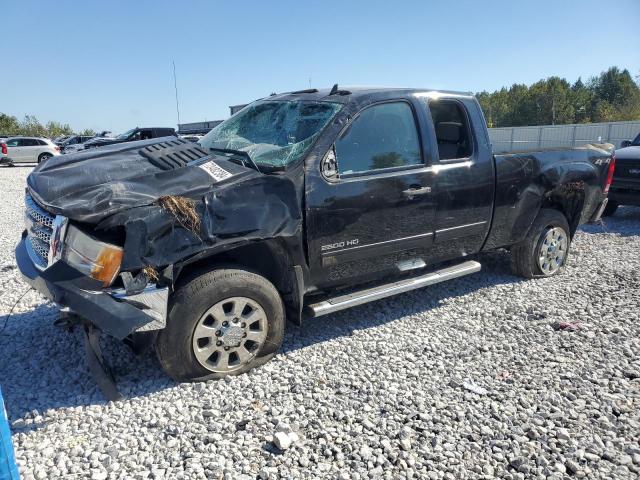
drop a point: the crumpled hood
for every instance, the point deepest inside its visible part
(118, 186)
(89, 186)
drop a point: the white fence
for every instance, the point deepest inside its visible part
(549, 136)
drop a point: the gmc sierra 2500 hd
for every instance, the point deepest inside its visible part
(301, 204)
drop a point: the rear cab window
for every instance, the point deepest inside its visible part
(382, 136)
(451, 126)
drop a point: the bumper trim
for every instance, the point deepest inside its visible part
(153, 301)
(68, 287)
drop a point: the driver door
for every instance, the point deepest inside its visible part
(376, 215)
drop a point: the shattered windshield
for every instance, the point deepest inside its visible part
(273, 133)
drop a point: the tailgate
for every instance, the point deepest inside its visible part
(600, 155)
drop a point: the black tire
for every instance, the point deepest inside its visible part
(44, 157)
(188, 304)
(610, 209)
(525, 255)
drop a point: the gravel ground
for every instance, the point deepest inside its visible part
(469, 379)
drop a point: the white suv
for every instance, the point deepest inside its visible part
(27, 150)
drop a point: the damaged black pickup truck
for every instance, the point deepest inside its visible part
(301, 204)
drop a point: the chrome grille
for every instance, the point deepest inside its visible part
(39, 224)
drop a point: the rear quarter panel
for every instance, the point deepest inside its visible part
(570, 180)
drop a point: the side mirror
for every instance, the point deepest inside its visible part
(625, 144)
(329, 165)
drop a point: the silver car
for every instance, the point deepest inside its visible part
(27, 150)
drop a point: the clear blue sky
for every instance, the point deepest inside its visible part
(107, 65)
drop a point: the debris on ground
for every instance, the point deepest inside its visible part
(569, 326)
(473, 387)
(285, 436)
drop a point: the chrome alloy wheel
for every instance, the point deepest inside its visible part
(229, 334)
(553, 250)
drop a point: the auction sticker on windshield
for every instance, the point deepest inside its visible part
(216, 171)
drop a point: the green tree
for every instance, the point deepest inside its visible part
(88, 132)
(9, 125)
(581, 100)
(617, 88)
(611, 96)
(55, 129)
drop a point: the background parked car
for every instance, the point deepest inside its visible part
(625, 189)
(74, 140)
(131, 136)
(59, 140)
(27, 150)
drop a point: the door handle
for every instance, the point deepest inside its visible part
(414, 191)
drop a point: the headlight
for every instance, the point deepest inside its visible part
(90, 256)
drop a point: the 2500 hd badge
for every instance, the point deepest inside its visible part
(333, 246)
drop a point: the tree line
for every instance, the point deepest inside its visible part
(611, 96)
(30, 126)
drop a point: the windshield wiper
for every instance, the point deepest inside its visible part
(240, 153)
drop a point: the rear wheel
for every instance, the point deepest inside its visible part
(545, 249)
(44, 157)
(610, 209)
(221, 323)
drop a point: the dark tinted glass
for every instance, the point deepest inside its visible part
(382, 136)
(452, 129)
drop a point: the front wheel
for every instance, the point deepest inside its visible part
(545, 249)
(220, 323)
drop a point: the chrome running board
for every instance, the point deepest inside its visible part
(376, 293)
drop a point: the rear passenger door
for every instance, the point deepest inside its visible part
(465, 179)
(30, 150)
(376, 213)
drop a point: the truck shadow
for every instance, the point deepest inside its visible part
(32, 386)
(625, 222)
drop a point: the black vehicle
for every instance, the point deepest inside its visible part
(74, 140)
(625, 189)
(303, 204)
(132, 135)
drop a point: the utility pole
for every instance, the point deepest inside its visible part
(553, 104)
(175, 85)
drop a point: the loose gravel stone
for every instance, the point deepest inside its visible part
(373, 392)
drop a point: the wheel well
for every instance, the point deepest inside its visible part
(269, 259)
(569, 201)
